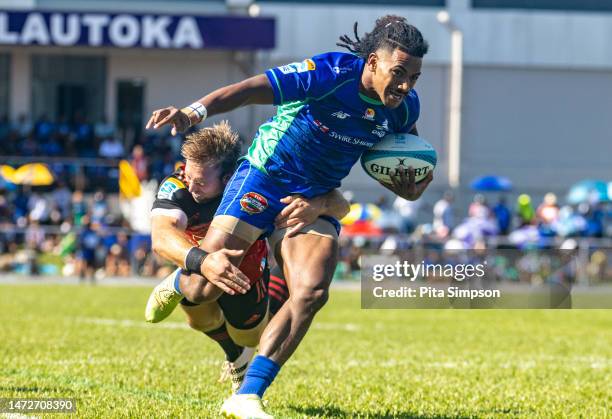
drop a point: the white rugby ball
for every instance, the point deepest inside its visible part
(396, 153)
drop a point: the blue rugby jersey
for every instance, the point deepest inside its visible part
(323, 123)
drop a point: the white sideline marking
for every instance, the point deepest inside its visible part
(132, 323)
(349, 327)
(112, 361)
(521, 364)
(593, 362)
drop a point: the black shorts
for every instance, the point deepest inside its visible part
(244, 311)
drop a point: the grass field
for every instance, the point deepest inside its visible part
(91, 344)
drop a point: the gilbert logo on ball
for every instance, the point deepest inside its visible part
(253, 203)
(395, 153)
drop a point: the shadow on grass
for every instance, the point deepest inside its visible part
(331, 411)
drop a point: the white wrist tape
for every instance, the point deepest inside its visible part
(196, 112)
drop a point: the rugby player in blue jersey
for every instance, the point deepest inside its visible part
(185, 204)
(331, 108)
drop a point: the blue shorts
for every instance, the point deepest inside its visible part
(254, 197)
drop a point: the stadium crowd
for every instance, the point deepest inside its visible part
(85, 154)
(76, 226)
(442, 227)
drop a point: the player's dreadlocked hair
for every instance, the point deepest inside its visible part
(390, 32)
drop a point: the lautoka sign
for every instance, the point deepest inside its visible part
(126, 30)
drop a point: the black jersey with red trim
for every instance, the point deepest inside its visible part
(173, 195)
(173, 199)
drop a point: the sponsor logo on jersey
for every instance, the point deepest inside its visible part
(350, 140)
(287, 69)
(381, 130)
(301, 67)
(253, 203)
(341, 115)
(341, 70)
(310, 65)
(379, 133)
(169, 187)
(369, 114)
(319, 124)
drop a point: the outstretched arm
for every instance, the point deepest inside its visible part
(169, 241)
(252, 91)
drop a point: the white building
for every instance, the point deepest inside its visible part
(537, 97)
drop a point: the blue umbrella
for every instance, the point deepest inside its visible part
(491, 184)
(588, 191)
(5, 183)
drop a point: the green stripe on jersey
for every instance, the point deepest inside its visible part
(270, 134)
(369, 100)
(407, 114)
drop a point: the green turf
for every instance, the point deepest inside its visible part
(90, 343)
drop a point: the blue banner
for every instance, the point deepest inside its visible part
(126, 30)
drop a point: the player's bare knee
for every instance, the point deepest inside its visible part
(310, 300)
(193, 288)
(320, 297)
(198, 324)
(205, 323)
